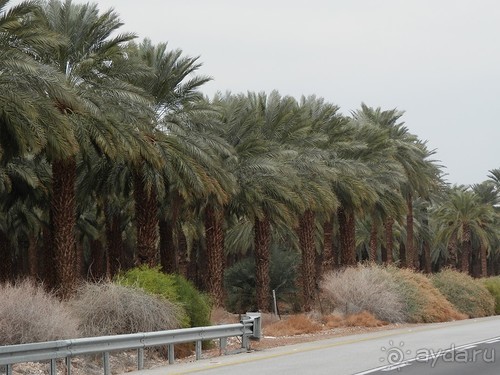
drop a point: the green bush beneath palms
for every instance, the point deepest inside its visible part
(493, 286)
(174, 288)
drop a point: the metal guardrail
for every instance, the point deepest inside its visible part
(248, 328)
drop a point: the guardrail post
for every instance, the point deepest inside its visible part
(106, 364)
(68, 365)
(198, 349)
(140, 358)
(8, 369)
(171, 354)
(223, 345)
(53, 367)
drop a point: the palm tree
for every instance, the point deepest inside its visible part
(180, 114)
(265, 178)
(422, 174)
(488, 195)
(97, 69)
(463, 217)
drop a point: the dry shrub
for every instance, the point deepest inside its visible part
(333, 321)
(112, 309)
(29, 314)
(364, 288)
(423, 303)
(363, 319)
(469, 296)
(221, 316)
(294, 325)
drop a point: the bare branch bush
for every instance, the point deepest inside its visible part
(112, 309)
(29, 314)
(364, 288)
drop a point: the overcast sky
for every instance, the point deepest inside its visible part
(438, 60)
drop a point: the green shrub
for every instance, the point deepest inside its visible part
(197, 305)
(423, 303)
(469, 296)
(240, 285)
(174, 288)
(152, 280)
(493, 286)
(112, 309)
(29, 314)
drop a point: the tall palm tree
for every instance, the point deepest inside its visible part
(179, 130)
(463, 217)
(422, 174)
(487, 194)
(262, 169)
(97, 69)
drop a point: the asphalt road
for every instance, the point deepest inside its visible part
(463, 347)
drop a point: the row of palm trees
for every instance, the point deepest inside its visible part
(110, 157)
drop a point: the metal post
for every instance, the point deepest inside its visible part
(198, 349)
(140, 358)
(171, 354)
(68, 365)
(106, 364)
(223, 345)
(8, 369)
(275, 305)
(53, 367)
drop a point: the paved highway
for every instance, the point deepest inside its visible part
(463, 347)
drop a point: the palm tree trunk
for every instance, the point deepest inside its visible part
(146, 217)
(452, 260)
(114, 243)
(262, 230)
(168, 258)
(328, 262)
(183, 261)
(347, 229)
(372, 255)
(6, 258)
(402, 254)
(32, 257)
(484, 261)
(427, 257)
(214, 237)
(168, 250)
(63, 221)
(389, 242)
(466, 250)
(98, 264)
(465, 257)
(306, 240)
(411, 258)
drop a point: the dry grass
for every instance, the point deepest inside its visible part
(29, 314)
(363, 319)
(364, 288)
(111, 309)
(293, 325)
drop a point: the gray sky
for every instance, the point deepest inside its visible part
(438, 60)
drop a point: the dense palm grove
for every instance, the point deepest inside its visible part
(112, 157)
